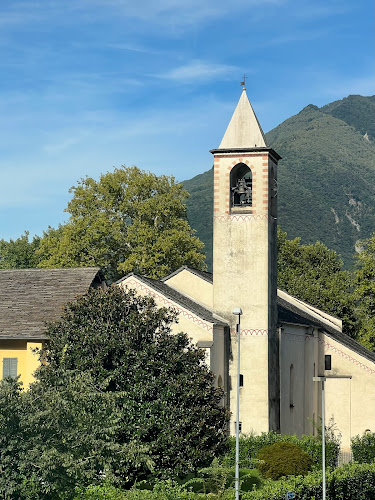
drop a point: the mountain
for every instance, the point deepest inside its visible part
(326, 178)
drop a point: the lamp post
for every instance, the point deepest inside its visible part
(237, 312)
(322, 380)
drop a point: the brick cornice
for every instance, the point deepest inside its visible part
(234, 152)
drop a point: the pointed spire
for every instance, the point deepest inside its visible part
(244, 130)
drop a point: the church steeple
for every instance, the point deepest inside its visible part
(244, 260)
(244, 130)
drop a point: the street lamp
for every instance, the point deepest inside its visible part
(237, 311)
(322, 380)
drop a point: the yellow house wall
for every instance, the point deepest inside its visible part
(27, 360)
(192, 286)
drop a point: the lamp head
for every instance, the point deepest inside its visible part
(237, 311)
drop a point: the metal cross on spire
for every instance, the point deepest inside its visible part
(243, 83)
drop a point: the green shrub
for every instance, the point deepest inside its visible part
(349, 482)
(250, 445)
(218, 478)
(284, 459)
(363, 448)
(105, 492)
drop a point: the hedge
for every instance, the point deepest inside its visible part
(250, 445)
(363, 448)
(349, 482)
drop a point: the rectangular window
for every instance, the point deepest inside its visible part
(10, 367)
(241, 380)
(327, 362)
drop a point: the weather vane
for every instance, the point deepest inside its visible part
(243, 83)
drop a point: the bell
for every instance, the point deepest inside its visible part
(241, 186)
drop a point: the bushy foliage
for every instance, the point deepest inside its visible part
(363, 448)
(365, 292)
(165, 391)
(283, 459)
(344, 483)
(315, 274)
(352, 481)
(218, 478)
(19, 253)
(128, 220)
(54, 438)
(250, 445)
(117, 396)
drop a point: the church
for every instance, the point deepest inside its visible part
(285, 343)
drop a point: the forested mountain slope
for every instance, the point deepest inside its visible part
(326, 178)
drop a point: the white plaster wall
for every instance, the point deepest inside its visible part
(296, 349)
(196, 328)
(254, 393)
(192, 286)
(350, 389)
(242, 278)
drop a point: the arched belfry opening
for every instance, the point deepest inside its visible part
(241, 186)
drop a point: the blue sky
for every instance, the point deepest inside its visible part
(87, 85)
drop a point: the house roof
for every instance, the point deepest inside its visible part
(290, 313)
(31, 297)
(179, 298)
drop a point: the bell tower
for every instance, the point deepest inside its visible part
(244, 264)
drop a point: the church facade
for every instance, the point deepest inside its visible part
(285, 342)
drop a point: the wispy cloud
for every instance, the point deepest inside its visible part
(197, 70)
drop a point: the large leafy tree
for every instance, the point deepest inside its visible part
(129, 220)
(315, 274)
(365, 292)
(56, 436)
(167, 399)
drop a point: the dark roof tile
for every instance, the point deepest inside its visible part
(31, 297)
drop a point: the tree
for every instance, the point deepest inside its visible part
(55, 437)
(129, 220)
(365, 292)
(167, 398)
(19, 253)
(314, 274)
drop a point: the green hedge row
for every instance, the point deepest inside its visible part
(349, 482)
(250, 445)
(363, 448)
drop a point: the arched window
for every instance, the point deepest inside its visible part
(241, 186)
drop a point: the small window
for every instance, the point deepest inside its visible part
(327, 362)
(10, 367)
(241, 380)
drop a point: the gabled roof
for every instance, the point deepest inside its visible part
(244, 130)
(31, 297)
(178, 298)
(292, 314)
